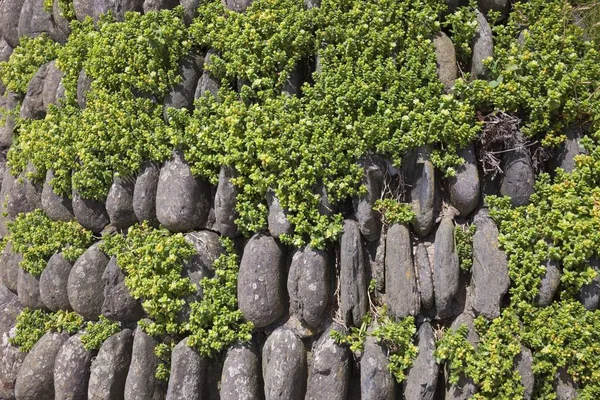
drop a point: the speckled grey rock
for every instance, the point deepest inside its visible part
(91, 214)
(61, 23)
(51, 92)
(241, 373)
(308, 285)
(549, 284)
(118, 7)
(284, 366)
(33, 103)
(53, 283)
(446, 271)
(141, 383)
(155, 5)
(109, 368)
(402, 295)
(72, 370)
(589, 294)
(425, 276)
(353, 276)
(524, 364)
(35, 380)
(565, 154)
(16, 199)
(83, 8)
(565, 387)
(446, 60)
(33, 187)
(225, 213)
(329, 372)
(237, 5)
(28, 289)
(464, 187)
(182, 201)
(144, 193)
(10, 10)
(8, 102)
(483, 46)
(376, 380)
(518, 179)
(369, 220)
(277, 218)
(83, 87)
(423, 192)
(5, 48)
(84, 288)
(421, 381)
(11, 357)
(375, 252)
(182, 94)
(35, 20)
(9, 268)
(119, 203)
(207, 83)
(188, 371)
(58, 208)
(260, 281)
(119, 304)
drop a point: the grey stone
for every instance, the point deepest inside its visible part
(50, 93)
(53, 283)
(284, 366)
(312, 4)
(72, 370)
(10, 10)
(325, 207)
(549, 284)
(155, 5)
(565, 154)
(589, 294)
(118, 8)
(353, 277)
(225, 200)
(109, 368)
(86, 294)
(182, 201)
(188, 371)
(61, 23)
(401, 290)
(190, 10)
(518, 179)
(83, 8)
(33, 103)
(83, 87)
(494, 5)
(141, 383)
(241, 373)
(35, 380)
(11, 357)
(565, 387)
(483, 47)
(58, 208)
(119, 203)
(8, 102)
(144, 193)
(329, 372)
(207, 83)
(237, 5)
(33, 187)
(465, 187)
(119, 304)
(465, 388)
(5, 49)
(425, 276)
(376, 259)
(182, 95)
(489, 279)
(260, 281)
(376, 380)
(368, 219)
(446, 60)
(308, 285)
(421, 381)
(91, 214)
(35, 20)
(277, 218)
(423, 192)
(446, 271)
(28, 289)
(10, 268)
(524, 365)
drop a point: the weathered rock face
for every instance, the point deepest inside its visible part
(207, 83)
(329, 372)
(10, 10)
(421, 176)
(9, 268)
(524, 364)
(446, 271)
(86, 294)
(425, 276)
(589, 295)
(83, 8)
(33, 188)
(84, 83)
(144, 193)
(109, 368)
(402, 295)
(118, 7)
(188, 371)
(567, 151)
(33, 103)
(376, 380)
(182, 95)
(72, 370)
(284, 366)
(119, 203)
(35, 380)
(446, 60)
(53, 283)
(518, 179)
(141, 383)
(483, 47)
(465, 187)
(6, 131)
(62, 24)
(58, 208)
(241, 373)
(421, 381)
(549, 284)
(353, 279)
(260, 281)
(16, 201)
(35, 20)
(225, 214)
(369, 220)
(10, 355)
(119, 304)
(91, 214)
(28, 288)
(155, 5)
(308, 285)
(238, 5)
(277, 218)
(565, 387)
(51, 92)
(182, 201)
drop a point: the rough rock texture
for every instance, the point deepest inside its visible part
(10, 10)
(35, 20)
(58, 208)
(119, 304)
(277, 218)
(369, 220)
(33, 189)
(35, 380)
(86, 293)
(109, 368)
(144, 193)
(446, 271)
(225, 214)
(565, 388)
(549, 284)
(518, 179)
(489, 279)
(238, 5)
(207, 83)
(91, 214)
(425, 276)
(260, 281)
(376, 380)
(17, 201)
(53, 283)
(402, 295)
(565, 154)
(524, 364)
(52, 92)
(9, 268)
(182, 95)
(188, 371)
(465, 187)
(423, 193)
(8, 102)
(589, 295)
(241, 373)
(28, 288)
(284, 366)
(119, 203)
(155, 5)
(83, 86)
(118, 7)
(62, 24)
(83, 8)
(421, 381)
(72, 370)
(10, 355)
(182, 201)
(329, 372)
(446, 60)
(353, 277)
(33, 103)
(465, 388)
(141, 383)
(483, 47)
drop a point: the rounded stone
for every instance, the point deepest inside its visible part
(53, 283)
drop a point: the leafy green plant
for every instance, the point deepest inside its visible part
(96, 332)
(463, 235)
(394, 212)
(33, 324)
(463, 26)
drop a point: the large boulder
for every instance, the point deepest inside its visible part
(369, 220)
(28, 289)
(109, 368)
(425, 276)
(483, 47)
(11, 357)
(119, 203)
(549, 284)
(33, 103)
(182, 94)
(83, 8)
(91, 214)
(188, 371)
(54, 282)
(564, 385)
(33, 187)
(17, 200)
(446, 270)
(260, 281)
(445, 55)
(353, 275)
(376, 380)
(241, 374)
(35, 20)
(284, 366)
(72, 370)
(58, 208)
(10, 10)
(86, 294)
(402, 295)
(277, 218)
(144, 193)
(141, 384)
(465, 187)
(119, 304)
(60, 20)
(421, 381)
(423, 194)
(225, 200)
(517, 182)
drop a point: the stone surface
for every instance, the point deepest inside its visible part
(353, 278)
(11, 357)
(489, 279)
(119, 304)
(277, 218)
(182, 95)
(9, 268)
(518, 179)
(155, 5)
(446, 60)
(190, 10)
(119, 203)
(53, 283)
(83, 8)
(376, 380)
(91, 214)
(35, 380)
(16, 199)
(565, 154)
(84, 288)
(241, 373)
(207, 83)
(33, 103)
(566, 389)
(61, 23)
(72, 370)
(188, 371)
(446, 271)
(483, 47)
(260, 281)
(369, 220)
(589, 295)
(58, 208)
(225, 213)
(109, 368)
(421, 380)
(238, 5)
(402, 295)
(8, 102)
(51, 93)
(308, 285)
(118, 7)
(465, 187)
(28, 289)
(549, 284)
(141, 383)
(182, 201)
(423, 191)
(144, 193)
(329, 372)
(284, 366)
(83, 87)
(524, 364)
(425, 276)
(33, 188)
(10, 10)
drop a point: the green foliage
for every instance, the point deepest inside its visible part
(163, 352)
(96, 332)
(463, 26)
(394, 212)
(62, 320)
(67, 10)
(463, 235)
(37, 238)
(354, 337)
(454, 349)
(33, 324)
